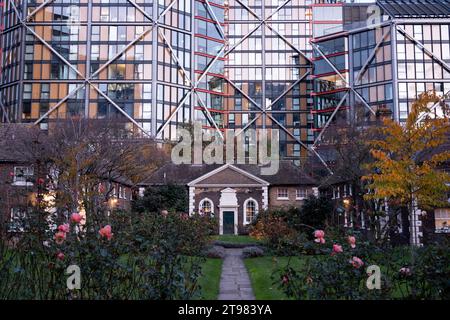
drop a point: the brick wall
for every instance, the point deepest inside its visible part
(274, 202)
(242, 194)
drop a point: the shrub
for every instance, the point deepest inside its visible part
(215, 252)
(339, 271)
(252, 252)
(171, 198)
(273, 230)
(125, 256)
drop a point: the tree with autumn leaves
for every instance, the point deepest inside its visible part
(407, 158)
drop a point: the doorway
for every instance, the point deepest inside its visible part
(228, 222)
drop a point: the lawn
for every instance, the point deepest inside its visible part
(230, 238)
(261, 271)
(210, 279)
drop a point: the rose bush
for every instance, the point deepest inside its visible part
(123, 256)
(338, 270)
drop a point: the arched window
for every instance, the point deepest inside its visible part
(250, 210)
(206, 206)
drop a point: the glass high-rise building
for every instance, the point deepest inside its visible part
(234, 64)
(268, 70)
(377, 65)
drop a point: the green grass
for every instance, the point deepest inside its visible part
(210, 279)
(261, 270)
(235, 239)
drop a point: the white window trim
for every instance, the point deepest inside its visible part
(245, 209)
(22, 183)
(200, 205)
(301, 198)
(282, 198)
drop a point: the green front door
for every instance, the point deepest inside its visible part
(228, 222)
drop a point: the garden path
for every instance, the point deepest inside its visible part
(234, 282)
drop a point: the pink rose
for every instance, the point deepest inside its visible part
(106, 232)
(60, 236)
(76, 217)
(40, 181)
(320, 240)
(64, 227)
(320, 236)
(356, 262)
(405, 271)
(352, 241)
(285, 280)
(60, 256)
(336, 249)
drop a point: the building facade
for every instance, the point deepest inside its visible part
(235, 194)
(161, 64)
(375, 64)
(381, 63)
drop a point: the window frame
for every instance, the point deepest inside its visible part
(255, 213)
(200, 206)
(299, 197)
(282, 197)
(23, 180)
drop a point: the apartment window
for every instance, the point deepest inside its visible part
(442, 220)
(27, 91)
(22, 175)
(120, 195)
(301, 193)
(45, 91)
(251, 210)
(336, 193)
(282, 194)
(347, 190)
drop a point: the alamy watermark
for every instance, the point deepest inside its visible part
(73, 281)
(374, 279)
(251, 146)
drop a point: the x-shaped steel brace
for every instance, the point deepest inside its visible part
(88, 80)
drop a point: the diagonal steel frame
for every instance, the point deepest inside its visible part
(264, 22)
(216, 21)
(421, 46)
(186, 75)
(5, 113)
(87, 80)
(188, 94)
(266, 110)
(433, 107)
(330, 119)
(371, 56)
(257, 105)
(342, 77)
(44, 4)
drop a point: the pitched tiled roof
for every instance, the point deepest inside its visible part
(182, 174)
(416, 8)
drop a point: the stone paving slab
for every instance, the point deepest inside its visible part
(234, 281)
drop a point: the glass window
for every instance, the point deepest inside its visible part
(442, 220)
(282, 193)
(206, 207)
(301, 193)
(23, 174)
(250, 211)
(45, 91)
